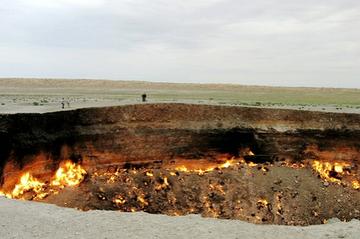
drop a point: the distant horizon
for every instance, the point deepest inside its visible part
(167, 82)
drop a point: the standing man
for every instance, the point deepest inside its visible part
(63, 103)
(143, 96)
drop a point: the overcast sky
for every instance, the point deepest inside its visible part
(262, 42)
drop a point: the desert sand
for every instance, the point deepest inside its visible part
(24, 219)
(46, 95)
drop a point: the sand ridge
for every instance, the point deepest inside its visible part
(24, 219)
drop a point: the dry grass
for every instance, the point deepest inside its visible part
(220, 93)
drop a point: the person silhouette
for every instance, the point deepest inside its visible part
(143, 96)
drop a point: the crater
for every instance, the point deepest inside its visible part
(265, 166)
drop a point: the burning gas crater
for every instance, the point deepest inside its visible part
(218, 188)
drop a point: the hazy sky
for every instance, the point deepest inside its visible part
(263, 42)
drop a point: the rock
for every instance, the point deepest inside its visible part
(278, 181)
(333, 220)
(294, 194)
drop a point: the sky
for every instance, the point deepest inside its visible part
(255, 42)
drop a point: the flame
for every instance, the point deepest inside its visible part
(338, 168)
(325, 169)
(165, 184)
(119, 200)
(228, 163)
(183, 168)
(3, 194)
(142, 200)
(69, 175)
(334, 172)
(252, 164)
(263, 202)
(28, 183)
(355, 184)
(217, 187)
(294, 165)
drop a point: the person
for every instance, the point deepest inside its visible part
(62, 103)
(143, 96)
(68, 103)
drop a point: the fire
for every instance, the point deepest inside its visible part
(28, 183)
(142, 200)
(338, 168)
(69, 175)
(183, 168)
(263, 202)
(163, 185)
(166, 183)
(326, 170)
(228, 163)
(252, 164)
(294, 165)
(217, 187)
(335, 172)
(355, 184)
(119, 200)
(3, 194)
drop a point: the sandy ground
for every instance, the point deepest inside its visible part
(24, 104)
(24, 219)
(45, 95)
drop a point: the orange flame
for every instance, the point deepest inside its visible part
(263, 202)
(324, 169)
(355, 184)
(228, 163)
(27, 183)
(119, 200)
(69, 175)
